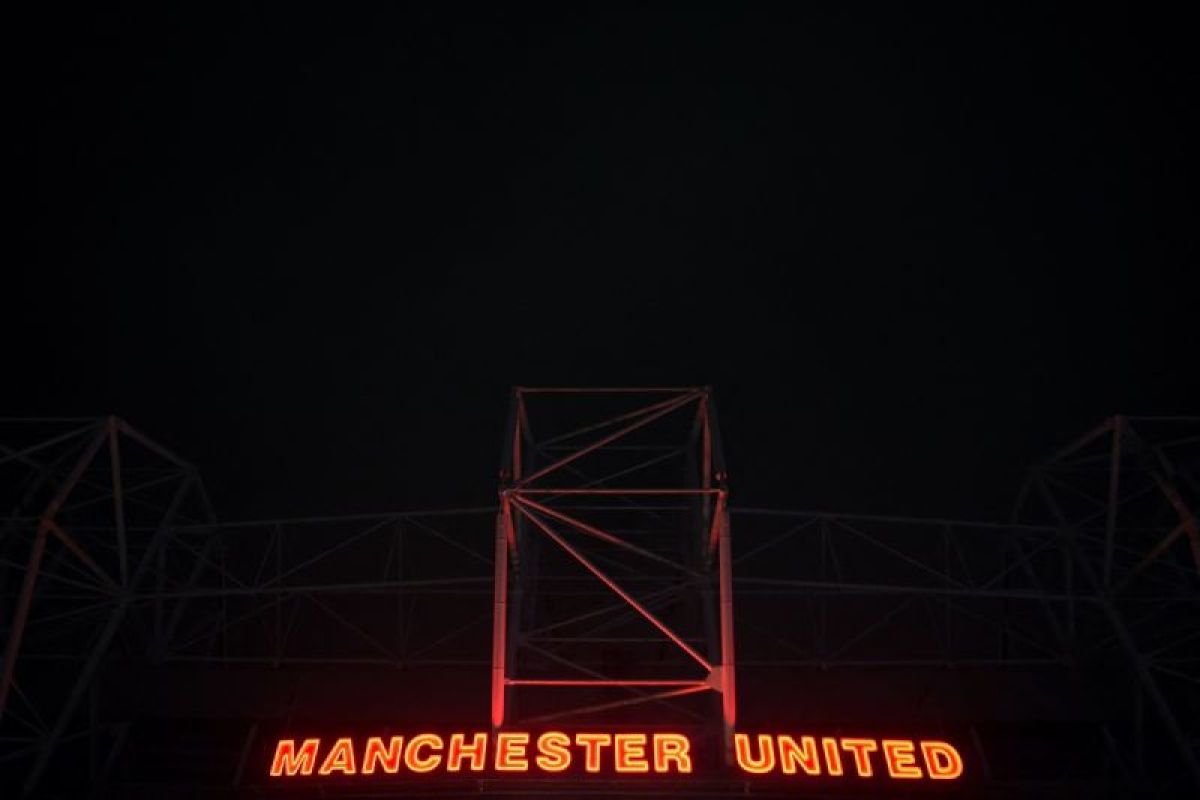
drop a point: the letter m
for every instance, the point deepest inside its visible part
(289, 761)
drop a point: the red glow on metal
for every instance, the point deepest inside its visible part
(592, 530)
(611, 584)
(528, 510)
(661, 410)
(504, 539)
(602, 682)
(671, 492)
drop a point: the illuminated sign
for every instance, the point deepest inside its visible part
(525, 512)
(809, 755)
(621, 752)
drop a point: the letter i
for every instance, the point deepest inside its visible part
(833, 759)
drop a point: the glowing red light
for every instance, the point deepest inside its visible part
(860, 750)
(415, 761)
(591, 743)
(476, 751)
(385, 757)
(554, 754)
(624, 752)
(941, 760)
(290, 761)
(768, 754)
(901, 761)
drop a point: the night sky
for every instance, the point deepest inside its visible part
(311, 250)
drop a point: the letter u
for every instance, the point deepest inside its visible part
(766, 753)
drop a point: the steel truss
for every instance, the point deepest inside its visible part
(1016, 637)
(93, 506)
(1123, 498)
(591, 482)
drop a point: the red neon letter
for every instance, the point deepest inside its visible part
(833, 759)
(288, 762)
(901, 762)
(476, 750)
(861, 748)
(671, 747)
(553, 755)
(942, 761)
(387, 757)
(592, 742)
(766, 753)
(413, 758)
(510, 752)
(804, 754)
(630, 752)
(340, 758)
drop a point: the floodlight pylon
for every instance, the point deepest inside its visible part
(652, 459)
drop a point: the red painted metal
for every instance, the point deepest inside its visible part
(500, 615)
(605, 389)
(610, 583)
(603, 682)
(567, 492)
(607, 422)
(728, 666)
(610, 438)
(594, 531)
(530, 510)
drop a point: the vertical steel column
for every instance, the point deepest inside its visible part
(510, 471)
(728, 683)
(728, 668)
(500, 614)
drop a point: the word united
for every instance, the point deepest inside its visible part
(658, 753)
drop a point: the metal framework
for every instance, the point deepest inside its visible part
(1123, 498)
(148, 647)
(95, 528)
(591, 482)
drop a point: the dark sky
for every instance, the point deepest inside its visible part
(310, 250)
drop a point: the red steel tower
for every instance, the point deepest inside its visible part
(613, 568)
